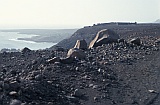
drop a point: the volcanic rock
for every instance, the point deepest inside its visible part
(14, 85)
(15, 102)
(81, 44)
(157, 41)
(103, 37)
(121, 40)
(135, 41)
(78, 93)
(13, 93)
(53, 60)
(76, 53)
(67, 60)
(25, 50)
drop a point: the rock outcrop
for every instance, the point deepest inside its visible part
(81, 44)
(76, 53)
(103, 37)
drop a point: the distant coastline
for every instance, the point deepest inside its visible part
(44, 35)
(15, 39)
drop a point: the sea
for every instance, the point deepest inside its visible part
(9, 39)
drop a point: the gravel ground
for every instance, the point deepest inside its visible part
(111, 74)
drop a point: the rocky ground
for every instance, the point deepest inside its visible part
(118, 74)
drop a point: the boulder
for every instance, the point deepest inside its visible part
(67, 60)
(135, 41)
(81, 44)
(25, 50)
(76, 53)
(77, 93)
(104, 36)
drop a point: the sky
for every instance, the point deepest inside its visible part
(75, 13)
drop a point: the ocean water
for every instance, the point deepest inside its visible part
(10, 40)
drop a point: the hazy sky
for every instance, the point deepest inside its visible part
(74, 13)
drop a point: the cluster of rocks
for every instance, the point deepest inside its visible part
(125, 31)
(96, 75)
(103, 37)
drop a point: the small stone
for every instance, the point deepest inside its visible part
(99, 70)
(78, 93)
(95, 86)
(34, 62)
(50, 103)
(38, 77)
(90, 85)
(13, 93)
(72, 99)
(1, 89)
(95, 99)
(157, 41)
(1, 83)
(136, 41)
(14, 85)
(15, 102)
(34, 73)
(152, 91)
(6, 86)
(77, 68)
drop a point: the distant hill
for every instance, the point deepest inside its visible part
(157, 21)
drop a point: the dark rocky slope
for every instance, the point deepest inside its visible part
(112, 74)
(118, 74)
(125, 31)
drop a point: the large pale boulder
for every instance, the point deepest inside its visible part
(81, 44)
(104, 36)
(76, 53)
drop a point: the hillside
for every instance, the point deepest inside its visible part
(111, 74)
(120, 73)
(125, 31)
